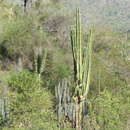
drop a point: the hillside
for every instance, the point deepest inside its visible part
(113, 12)
(55, 76)
(99, 12)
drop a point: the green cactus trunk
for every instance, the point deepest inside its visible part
(39, 63)
(82, 66)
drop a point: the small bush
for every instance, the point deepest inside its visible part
(107, 111)
(30, 104)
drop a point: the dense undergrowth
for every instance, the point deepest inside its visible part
(29, 101)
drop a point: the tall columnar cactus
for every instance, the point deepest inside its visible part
(39, 63)
(65, 105)
(82, 66)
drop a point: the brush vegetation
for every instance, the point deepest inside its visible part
(44, 67)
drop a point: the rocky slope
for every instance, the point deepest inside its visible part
(98, 12)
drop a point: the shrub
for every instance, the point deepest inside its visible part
(15, 39)
(108, 111)
(30, 104)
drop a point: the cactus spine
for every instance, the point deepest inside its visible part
(82, 66)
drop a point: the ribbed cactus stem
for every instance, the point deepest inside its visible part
(89, 63)
(35, 64)
(43, 60)
(80, 46)
(82, 66)
(39, 63)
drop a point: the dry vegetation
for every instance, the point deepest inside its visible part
(27, 96)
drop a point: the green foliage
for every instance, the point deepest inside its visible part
(24, 34)
(30, 104)
(63, 71)
(15, 39)
(106, 111)
(108, 114)
(46, 25)
(23, 82)
(109, 72)
(15, 36)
